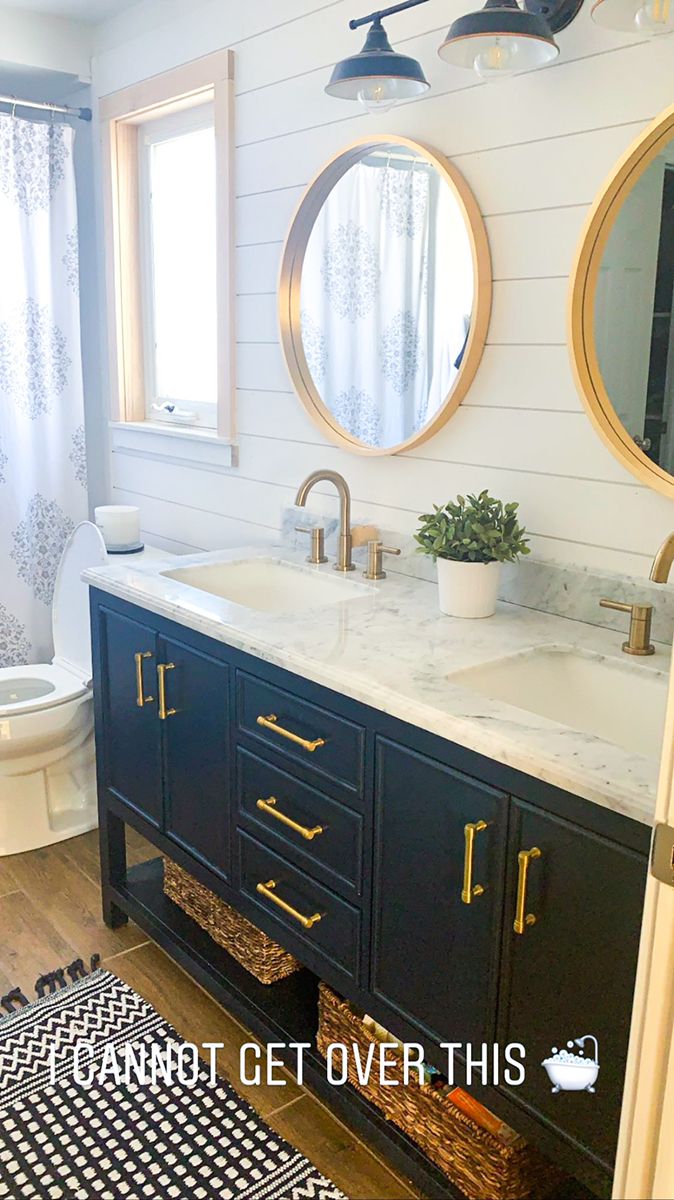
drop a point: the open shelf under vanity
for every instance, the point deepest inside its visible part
(286, 1012)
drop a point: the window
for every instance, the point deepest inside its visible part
(167, 159)
(177, 174)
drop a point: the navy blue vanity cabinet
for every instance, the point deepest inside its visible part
(569, 971)
(128, 734)
(163, 732)
(391, 862)
(438, 895)
(196, 752)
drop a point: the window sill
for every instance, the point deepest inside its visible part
(180, 444)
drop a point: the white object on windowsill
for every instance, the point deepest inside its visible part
(173, 415)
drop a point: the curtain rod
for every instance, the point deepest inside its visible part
(83, 114)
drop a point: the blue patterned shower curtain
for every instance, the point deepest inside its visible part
(43, 485)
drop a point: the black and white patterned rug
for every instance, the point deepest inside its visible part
(142, 1139)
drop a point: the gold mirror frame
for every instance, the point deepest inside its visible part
(291, 281)
(583, 293)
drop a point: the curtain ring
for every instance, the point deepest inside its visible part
(14, 110)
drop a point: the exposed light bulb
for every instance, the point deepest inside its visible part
(375, 97)
(500, 59)
(655, 16)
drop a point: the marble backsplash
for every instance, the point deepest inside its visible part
(565, 591)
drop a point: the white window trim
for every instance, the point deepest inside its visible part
(205, 79)
(181, 445)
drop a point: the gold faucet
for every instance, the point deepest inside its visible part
(344, 561)
(641, 615)
(662, 563)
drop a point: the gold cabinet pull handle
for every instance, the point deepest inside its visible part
(267, 890)
(164, 712)
(270, 722)
(141, 698)
(522, 917)
(470, 889)
(269, 806)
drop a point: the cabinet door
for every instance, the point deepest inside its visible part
(435, 957)
(196, 754)
(129, 734)
(571, 973)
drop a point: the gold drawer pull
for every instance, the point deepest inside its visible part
(267, 890)
(164, 712)
(270, 722)
(141, 698)
(269, 806)
(470, 889)
(521, 920)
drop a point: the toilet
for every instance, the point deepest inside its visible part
(47, 764)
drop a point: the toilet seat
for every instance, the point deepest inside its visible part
(45, 685)
(36, 688)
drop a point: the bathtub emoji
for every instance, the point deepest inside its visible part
(571, 1072)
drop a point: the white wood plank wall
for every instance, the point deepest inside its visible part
(535, 150)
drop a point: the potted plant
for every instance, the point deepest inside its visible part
(468, 538)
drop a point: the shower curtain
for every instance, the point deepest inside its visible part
(43, 484)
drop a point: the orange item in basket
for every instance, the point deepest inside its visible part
(482, 1116)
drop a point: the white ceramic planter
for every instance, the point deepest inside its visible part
(468, 589)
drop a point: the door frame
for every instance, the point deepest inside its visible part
(645, 1158)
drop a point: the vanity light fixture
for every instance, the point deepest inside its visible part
(505, 37)
(378, 76)
(633, 16)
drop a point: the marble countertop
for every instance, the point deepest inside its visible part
(391, 648)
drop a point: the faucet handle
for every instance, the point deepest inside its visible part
(375, 552)
(317, 532)
(641, 615)
(618, 605)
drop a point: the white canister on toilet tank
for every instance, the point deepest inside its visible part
(120, 525)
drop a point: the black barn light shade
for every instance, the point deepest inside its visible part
(378, 76)
(500, 39)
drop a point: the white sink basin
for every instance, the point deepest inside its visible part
(269, 584)
(620, 702)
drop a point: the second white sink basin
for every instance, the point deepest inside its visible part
(620, 702)
(268, 584)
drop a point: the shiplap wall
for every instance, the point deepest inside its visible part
(535, 149)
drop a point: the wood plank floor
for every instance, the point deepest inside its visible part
(50, 915)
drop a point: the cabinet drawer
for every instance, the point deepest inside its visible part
(301, 906)
(288, 813)
(322, 741)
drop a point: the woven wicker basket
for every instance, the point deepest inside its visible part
(478, 1162)
(243, 940)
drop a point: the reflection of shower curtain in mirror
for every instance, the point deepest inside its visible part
(387, 293)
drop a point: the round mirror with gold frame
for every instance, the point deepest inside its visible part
(385, 295)
(622, 309)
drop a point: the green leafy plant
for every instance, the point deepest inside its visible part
(476, 529)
